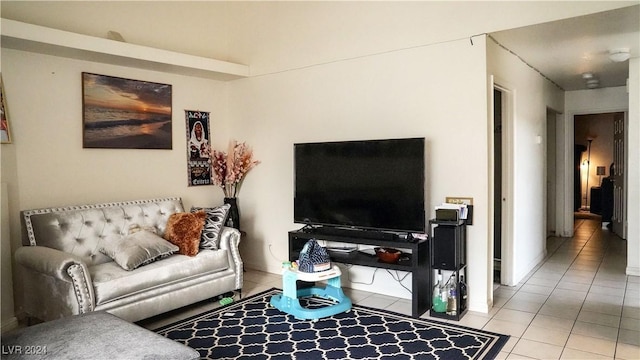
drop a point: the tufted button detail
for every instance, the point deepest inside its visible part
(108, 221)
(88, 223)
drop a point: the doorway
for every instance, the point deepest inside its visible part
(502, 268)
(599, 164)
(497, 185)
(552, 173)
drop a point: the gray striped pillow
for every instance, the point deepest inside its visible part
(216, 217)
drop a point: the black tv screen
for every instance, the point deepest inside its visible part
(373, 184)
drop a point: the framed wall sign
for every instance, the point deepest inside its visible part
(198, 147)
(122, 113)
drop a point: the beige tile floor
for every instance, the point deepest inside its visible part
(578, 304)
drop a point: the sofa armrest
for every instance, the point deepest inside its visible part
(57, 284)
(230, 240)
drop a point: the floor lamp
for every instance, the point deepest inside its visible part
(586, 190)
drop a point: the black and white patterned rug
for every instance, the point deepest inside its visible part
(252, 329)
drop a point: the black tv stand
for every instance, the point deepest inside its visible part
(417, 262)
(347, 232)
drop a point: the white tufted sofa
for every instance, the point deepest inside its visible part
(65, 274)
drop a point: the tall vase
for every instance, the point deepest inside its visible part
(234, 215)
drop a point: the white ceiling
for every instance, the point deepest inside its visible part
(563, 50)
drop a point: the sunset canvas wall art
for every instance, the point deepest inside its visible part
(5, 134)
(122, 113)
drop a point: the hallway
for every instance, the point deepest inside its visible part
(578, 304)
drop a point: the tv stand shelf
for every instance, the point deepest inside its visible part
(417, 262)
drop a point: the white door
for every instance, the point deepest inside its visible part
(617, 218)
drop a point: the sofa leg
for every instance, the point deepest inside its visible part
(229, 294)
(30, 320)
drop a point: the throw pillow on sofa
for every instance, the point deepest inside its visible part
(138, 249)
(216, 217)
(184, 230)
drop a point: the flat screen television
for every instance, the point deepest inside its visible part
(362, 185)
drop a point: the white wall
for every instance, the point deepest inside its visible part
(46, 164)
(7, 177)
(531, 95)
(406, 93)
(633, 173)
(552, 172)
(8, 319)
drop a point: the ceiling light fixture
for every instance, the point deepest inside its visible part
(619, 55)
(593, 83)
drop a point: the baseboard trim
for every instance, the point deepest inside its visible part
(9, 325)
(632, 270)
(480, 306)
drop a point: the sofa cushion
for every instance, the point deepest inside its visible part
(216, 217)
(137, 249)
(184, 230)
(111, 282)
